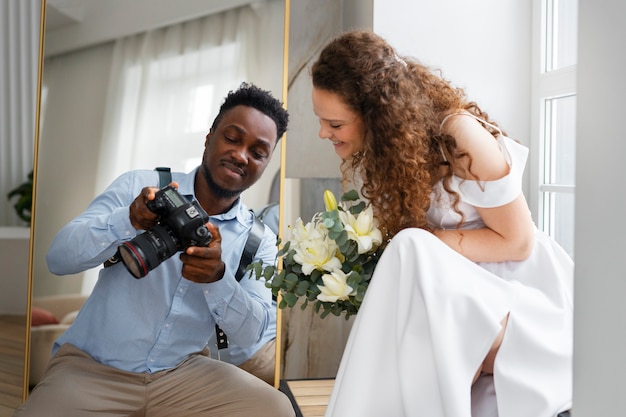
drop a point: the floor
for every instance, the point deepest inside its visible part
(12, 335)
(309, 396)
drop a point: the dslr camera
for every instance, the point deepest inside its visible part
(182, 224)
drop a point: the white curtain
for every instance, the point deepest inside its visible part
(19, 47)
(166, 85)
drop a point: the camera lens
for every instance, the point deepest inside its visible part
(147, 250)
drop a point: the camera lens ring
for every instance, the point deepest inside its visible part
(133, 259)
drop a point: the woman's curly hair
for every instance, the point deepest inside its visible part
(402, 104)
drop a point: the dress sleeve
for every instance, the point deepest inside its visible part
(498, 192)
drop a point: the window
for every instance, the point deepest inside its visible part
(554, 118)
(178, 102)
(167, 84)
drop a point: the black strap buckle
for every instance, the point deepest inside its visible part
(222, 339)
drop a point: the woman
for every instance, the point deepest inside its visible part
(469, 312)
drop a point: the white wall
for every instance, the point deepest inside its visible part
(600, 278)
(312, 24)
(483, 46)
(68, 153)
(14, 248)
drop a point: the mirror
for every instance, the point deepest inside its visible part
(20, 44)
(311, 347)
(81, 149)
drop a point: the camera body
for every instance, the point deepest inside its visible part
(182, 224)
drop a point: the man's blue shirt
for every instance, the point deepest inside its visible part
(154, 323)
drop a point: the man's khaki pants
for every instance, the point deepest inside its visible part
(74, 385)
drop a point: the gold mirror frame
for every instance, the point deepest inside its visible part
(281, 201)
(35, 176)
(42, 26)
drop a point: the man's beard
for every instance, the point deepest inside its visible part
(215, 188)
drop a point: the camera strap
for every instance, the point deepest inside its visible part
(252, 244)
(165, 176)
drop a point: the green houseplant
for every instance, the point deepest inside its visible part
(24, 203)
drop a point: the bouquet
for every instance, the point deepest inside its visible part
(328, 261)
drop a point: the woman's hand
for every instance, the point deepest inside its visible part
(508, 235)
(509, 230)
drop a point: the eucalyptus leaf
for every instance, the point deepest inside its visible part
(351, 195)
(316, 276)
(285, 249)
(268, 272)
(342, 238)
(278, 280)
(291, 280)
(360, 293)
(333, 234)
(328, 223)
(354, 279)
(258, 269)
(357, 208)
(290, 299)
(301, 288)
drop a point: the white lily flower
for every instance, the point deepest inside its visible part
(335, 287)
(304, 232)
(311, 248)
(363, 229)
(318, 252)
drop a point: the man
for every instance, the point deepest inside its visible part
(139, 346)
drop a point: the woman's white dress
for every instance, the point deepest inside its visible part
(430, 316)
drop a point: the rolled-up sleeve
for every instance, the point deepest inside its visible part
(93, 236)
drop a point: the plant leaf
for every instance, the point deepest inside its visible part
(351, 195)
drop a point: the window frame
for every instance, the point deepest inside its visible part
(546, 85)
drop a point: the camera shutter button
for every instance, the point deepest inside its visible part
(202, 231)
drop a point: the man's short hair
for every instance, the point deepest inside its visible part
(250, 95)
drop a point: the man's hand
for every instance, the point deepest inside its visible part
(140, 215)
(204, 264)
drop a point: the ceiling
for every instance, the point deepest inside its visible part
(61, 13)
(75, 24)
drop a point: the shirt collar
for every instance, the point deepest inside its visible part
(238, 210)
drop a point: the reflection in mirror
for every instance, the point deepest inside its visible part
(20, 46)
(140, 98)
(311, 347)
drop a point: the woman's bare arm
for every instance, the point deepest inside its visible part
(508, 234)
